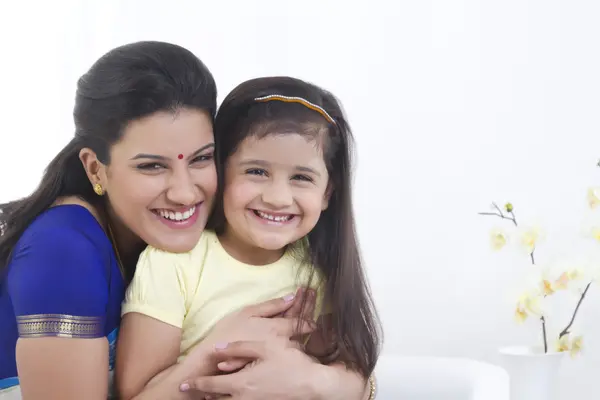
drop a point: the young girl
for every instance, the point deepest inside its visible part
(283, 220)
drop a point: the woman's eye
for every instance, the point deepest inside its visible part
(203, 158)
(256, 171)
(151, 167)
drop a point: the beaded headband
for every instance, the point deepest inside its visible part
(299, 100)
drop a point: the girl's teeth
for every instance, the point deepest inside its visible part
(177, 216)
(276, 218)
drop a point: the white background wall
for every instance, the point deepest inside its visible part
(453, 103)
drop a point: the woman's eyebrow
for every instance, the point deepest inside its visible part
(163, 158)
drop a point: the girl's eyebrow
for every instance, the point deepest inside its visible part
(265, 164)
(308, 169)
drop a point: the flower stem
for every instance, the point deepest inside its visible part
(544, 334)
(566, 330)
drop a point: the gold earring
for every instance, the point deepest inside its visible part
(98, 189)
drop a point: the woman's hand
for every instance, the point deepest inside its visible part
(255, 321)
(295, 311)
(298, 376)
(287, 362)
(260, 322)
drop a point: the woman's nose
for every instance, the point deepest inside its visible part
(182, 189)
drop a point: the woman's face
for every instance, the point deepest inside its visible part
(161, 180)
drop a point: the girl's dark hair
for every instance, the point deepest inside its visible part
(333, 245)
(127, 83)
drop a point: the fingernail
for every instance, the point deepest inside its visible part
(184, 387)
(221, 346)
(312, 293)
(289, 298)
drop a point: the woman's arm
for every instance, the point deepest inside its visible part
(343, 384)
(254, 321)
(286, 362)
(322, 345)
(63, 368)
(154, 310)
(58, 287)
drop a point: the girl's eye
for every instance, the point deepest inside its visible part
(151, 167)
(256, 171)
(304, 178)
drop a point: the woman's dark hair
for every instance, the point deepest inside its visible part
(333, 244)
(127, 83)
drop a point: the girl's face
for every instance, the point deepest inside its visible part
(161, 180)
(275, 189)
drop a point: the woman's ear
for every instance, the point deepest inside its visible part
(94, 169)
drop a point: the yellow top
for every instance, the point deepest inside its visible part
(195, 290)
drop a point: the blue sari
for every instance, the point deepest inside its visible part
(63, 280)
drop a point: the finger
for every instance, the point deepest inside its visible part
(223, 384)
(288, 327)
(270, 308)
(226, 384)
(296, 309)
(242, 350)
(310, 305)
(232, 365)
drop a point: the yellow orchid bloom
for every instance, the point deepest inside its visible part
(553, 278)
(547, 287)
(576, 345)
(562, 344)
(563, 280)
(520, 315)
(574, 274)
(528, 304)
(498, 239)
(529, 238)
(573, 346)
(593, 197)
(595, 233)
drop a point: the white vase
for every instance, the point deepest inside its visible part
(533, 373)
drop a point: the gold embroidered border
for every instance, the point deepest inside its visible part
(61, 325)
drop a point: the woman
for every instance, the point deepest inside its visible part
(138, 171)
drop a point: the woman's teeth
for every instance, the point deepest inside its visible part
(276, 218)
(176, 215)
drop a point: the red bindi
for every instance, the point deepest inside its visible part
(180, 156)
